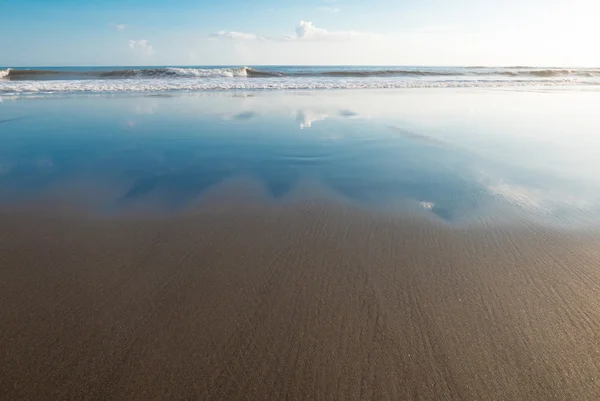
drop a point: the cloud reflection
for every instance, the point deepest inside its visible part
(306, 118)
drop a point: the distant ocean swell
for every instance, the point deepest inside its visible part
(158, 79)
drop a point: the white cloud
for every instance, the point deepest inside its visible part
(120, 27)
(304, 31)
(235, 35)
(307, 31)
(141, 46)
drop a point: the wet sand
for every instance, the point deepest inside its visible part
(304, 301)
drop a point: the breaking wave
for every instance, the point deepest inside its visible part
(246, 72)
(185, 79)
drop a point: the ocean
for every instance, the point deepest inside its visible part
(50, 80)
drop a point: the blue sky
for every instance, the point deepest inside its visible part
(254, 32)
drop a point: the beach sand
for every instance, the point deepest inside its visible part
(306, 300)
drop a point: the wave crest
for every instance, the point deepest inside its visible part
(192, 73)
(299, 72)
(178, 72)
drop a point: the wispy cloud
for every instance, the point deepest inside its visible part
(305, 31)
(141, 46)
(120, 27)
(234, 35)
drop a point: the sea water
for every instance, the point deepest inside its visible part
(454, 154)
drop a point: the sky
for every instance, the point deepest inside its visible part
(305, 32)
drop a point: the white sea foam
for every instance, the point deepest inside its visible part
(4, 73)
(224, 82)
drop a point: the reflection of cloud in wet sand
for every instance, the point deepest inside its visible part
(418, 137)
(536, 200)
(246, 115)
(241, 116)
(307, 117)
(147, 109)
(160, 95)
(348, 113)
(439, 211)
(427, 205)
(8, 120)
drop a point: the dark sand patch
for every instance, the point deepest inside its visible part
(310, 300)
